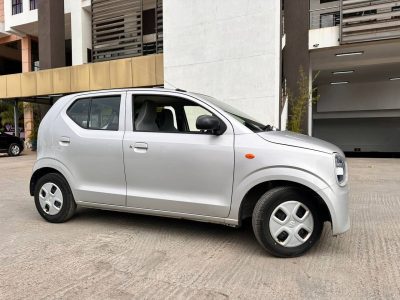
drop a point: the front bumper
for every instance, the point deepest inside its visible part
(337, 200)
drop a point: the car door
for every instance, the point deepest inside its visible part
(3, 141)
(88, 141)
(181, 172)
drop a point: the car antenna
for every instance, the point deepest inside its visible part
(176, 88)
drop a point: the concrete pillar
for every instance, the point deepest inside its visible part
(51, 34)
(81, 33)
(26, 59)
(26, 54)
(16, 119)
(296, 54)
(1, 11)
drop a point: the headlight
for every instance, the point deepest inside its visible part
(340, 169)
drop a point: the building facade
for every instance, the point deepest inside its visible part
(353, 49)
(246, 53)
(231, 51)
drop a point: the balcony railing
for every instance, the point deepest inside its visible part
(369, 20)
(325, 17)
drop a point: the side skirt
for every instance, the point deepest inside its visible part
(161, 213)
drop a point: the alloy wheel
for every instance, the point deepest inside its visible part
(15, 150)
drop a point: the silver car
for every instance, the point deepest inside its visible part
(184, 155)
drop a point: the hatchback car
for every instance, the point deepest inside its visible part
(11, 144)
(184, 155)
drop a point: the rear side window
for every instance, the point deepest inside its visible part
(98, 113)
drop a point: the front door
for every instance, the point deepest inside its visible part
(169, 164)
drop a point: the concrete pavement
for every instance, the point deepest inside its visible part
(109, 255)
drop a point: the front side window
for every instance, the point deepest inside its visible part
(16, 7)
(167, 114)
(97, 113)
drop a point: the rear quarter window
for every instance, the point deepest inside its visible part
(79, 112)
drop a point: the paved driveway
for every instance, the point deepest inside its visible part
(103, 255)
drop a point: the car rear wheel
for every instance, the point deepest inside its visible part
(53, 198)
(14, 150)
(286, 222)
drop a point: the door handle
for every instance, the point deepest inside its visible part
(65, 141)
(139, 147)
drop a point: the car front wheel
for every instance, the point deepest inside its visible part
(14, 150)
(286, 222)
(53, 198)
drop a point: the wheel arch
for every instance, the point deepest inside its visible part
(45, 166)
(39, 173)
(252, 196)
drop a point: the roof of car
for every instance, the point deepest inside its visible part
(150, 89)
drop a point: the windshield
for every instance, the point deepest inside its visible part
(243, 118)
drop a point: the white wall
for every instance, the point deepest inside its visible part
(27, 16)
(324, 37)
(380, 95)
(227, 49)
(81, 32)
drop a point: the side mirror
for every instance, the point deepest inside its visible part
(211, 123)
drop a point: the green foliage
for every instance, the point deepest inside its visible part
(300, 101)
(7, 112)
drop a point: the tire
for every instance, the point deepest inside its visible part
(47, 192)
(281, 210)
(14, 150)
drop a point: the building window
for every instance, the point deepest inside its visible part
(33, 4)
(16, 7)
(329, 19)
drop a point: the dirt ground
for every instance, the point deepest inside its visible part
(109, 255)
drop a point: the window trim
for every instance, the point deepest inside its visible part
(90, 97)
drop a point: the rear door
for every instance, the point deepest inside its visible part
(179, 169)
(89, 143)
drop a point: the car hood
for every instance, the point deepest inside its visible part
(299, 140)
